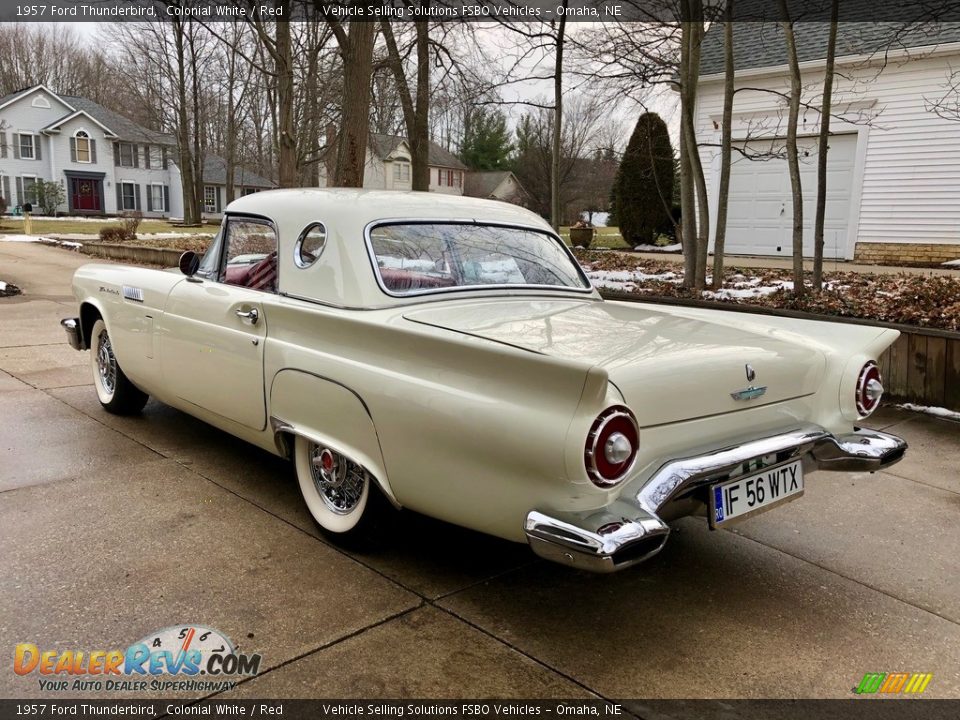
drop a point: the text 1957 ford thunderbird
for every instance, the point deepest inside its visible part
(448, 355)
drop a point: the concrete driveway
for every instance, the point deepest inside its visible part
(111, 528)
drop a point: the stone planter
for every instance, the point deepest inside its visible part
(167, 257)
(581, 237)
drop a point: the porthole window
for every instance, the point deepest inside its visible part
(310, 244)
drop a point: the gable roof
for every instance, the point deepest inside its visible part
(23, 92)
(761, 44)
(383, 145)
(215, 173)
(69, 116)
(123, 128)
(483, 183)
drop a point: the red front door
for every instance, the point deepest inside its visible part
(85, 195)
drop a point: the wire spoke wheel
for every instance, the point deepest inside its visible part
(106, 363)
(339, 482)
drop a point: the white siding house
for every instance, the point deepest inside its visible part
(893, 164)
(388, 166)
(106, 163)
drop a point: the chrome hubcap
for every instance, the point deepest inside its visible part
(337, 480)
(106, 363)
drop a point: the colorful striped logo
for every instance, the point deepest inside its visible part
(893, 683)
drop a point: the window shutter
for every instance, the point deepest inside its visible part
(119, 197)
(149, 198)
(116, 155)
(163, 155)
(93, 151)
(136, 155)
(219, 206)
(73, 149)
(19, 190)
(6, 190)
(146, 156)
(136, 196)
(37, 152)
(166, 197)
(16, 147)
(3, 144)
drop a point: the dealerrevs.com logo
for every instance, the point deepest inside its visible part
(178, 658)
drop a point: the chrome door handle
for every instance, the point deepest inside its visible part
(252, 315)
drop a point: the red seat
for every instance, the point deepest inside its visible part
(400, 279)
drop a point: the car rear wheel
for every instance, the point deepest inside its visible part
(342, 497)
(117, 394)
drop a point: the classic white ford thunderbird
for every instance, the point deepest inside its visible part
(448, 355)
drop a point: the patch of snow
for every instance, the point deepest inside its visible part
(937, 411)
(628, 279)
(170, 235)
(676, 247)
(600, 219)
(951, 263)
(61, 218)
(40, 239)
(748, 289)
(3, 286)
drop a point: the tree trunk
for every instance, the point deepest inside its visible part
(416, 113)
(725, 150)
(687, 193)
(793, 160)
(557, 124)
(355, 114)
(824, 147)
(191, 214)
(283, 64)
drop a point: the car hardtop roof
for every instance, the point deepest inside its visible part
(330, 205)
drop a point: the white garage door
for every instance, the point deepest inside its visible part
(760, 210)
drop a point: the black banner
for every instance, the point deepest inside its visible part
(854, 709)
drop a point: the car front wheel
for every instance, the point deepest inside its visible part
(342, 497)
(117, 394)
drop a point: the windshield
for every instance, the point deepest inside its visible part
(427, 257)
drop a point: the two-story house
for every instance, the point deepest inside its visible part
(106, 163)
(388, 166)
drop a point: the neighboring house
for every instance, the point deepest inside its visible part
(245, 182)
(893, 164)
(389, 166)
(106, 163)
(496, 185)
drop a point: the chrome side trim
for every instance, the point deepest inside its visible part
(860, 451)
(74, 336)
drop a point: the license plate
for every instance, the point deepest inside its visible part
(757, 491)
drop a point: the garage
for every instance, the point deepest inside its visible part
(760, 208)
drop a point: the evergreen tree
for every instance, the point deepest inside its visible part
(643, 190)
(486, 141)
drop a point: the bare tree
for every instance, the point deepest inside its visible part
(356, 47)
(793, 160)
(824, 145)
(725, 148)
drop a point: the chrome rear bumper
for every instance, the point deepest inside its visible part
(632, 529)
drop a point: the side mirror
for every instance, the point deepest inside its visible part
(189, 263)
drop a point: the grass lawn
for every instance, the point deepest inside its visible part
(605, 237)
(41, 226)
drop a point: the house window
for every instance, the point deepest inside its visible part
(401, 171)
(440, 178)
(128, 196)
(209, 199)
(26, 146)
(29, 189)
(156, 156)
(83, 146)
(156, 198)
(126, 154)
(248, 191)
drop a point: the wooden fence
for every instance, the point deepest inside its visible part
(922, 366)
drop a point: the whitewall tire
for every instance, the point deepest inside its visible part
(116, 393)
(341, 495)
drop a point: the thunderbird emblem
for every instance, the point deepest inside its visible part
(751, 392)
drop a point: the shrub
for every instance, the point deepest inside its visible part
(3, 205)
(50, 196)
(643, 189)
(115, 234)
(130, 221)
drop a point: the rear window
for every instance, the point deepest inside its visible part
(430, 257)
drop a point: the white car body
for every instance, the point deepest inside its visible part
(474, 405)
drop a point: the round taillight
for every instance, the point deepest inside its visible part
(612, 445)
(869, 389)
